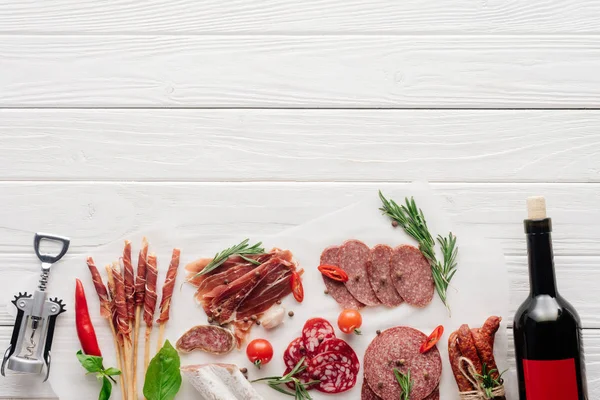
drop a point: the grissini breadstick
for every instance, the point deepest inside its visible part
(114, 320)
(139, 293)
(167, 294)
(149, 303)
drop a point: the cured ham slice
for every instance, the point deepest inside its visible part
(225, 300)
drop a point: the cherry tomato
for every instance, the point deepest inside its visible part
(297, 289)
(349, 321)
(259, 351)
(432, 339)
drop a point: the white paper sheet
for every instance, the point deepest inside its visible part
(479, 289)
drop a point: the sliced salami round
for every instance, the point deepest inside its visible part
(333, 356)
(335, 377)
(367, 394)
(378, 271)
(435, 395)
(399, 348)
(337, 290)
(208, 338)
(339, 346)
(316, 331)
(354, 257)
(294, 352)
(411, 275)
(303, 377)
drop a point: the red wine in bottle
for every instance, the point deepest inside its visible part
(546, 328)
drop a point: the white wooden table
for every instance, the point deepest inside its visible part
(254, 116)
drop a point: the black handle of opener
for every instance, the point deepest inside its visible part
(48, 258)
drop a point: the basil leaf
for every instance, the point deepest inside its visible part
(90, 363)
(112, 371)
(163, 378)
(106, 389)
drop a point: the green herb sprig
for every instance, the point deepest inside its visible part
(93, 365)
(488, 382)
(301, 393)
(242, 249)
(405, 382)
(163, 378)
(412, 220)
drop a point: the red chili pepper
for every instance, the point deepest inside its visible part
(297, 289)
(432, 339)
(85, 329)
(333, 272)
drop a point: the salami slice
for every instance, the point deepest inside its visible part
(367, 394)
(435, 395)
(339, 346)
(335, 377)
(399, 348)
(303, 377)
(333, 356)
(354, 257)
(294, 352)
(411, 274)
(378, 271)
(316, 331)
(336, 289)
(209, 338)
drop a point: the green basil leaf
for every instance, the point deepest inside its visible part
(106, 389)
(90, 363)
(112, 371)
(163, 378)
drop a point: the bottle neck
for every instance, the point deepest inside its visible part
(541, 264)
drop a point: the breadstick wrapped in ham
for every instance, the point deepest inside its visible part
(140, 279)
(105, 307)
(150, 297)
(168, 287)
(129, 281)
(120, 303)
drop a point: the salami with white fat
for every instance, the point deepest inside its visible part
(335, 377)
(208, 338)
(315, 332)
(378, 271)
(339, 346)
(294, 352)
(354, 257)
(411, 275)
(337, 289)
(399, 348)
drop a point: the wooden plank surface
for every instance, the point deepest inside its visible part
(94, 213)
(300, 145)
(362, 71)
(306, 17)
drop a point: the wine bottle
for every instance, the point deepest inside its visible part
(546, 328)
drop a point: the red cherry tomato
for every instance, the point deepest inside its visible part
(349, 321)
(297, 289)
(259, 351)
(432, 339)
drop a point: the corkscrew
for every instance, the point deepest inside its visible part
(31, 341)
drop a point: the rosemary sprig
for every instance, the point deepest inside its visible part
(405, 382)
(412, 220)
(488, 383)
(242, 249)
(300, 393)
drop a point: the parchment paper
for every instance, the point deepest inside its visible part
(479, 289)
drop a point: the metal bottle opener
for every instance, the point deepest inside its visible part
(31, 340)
